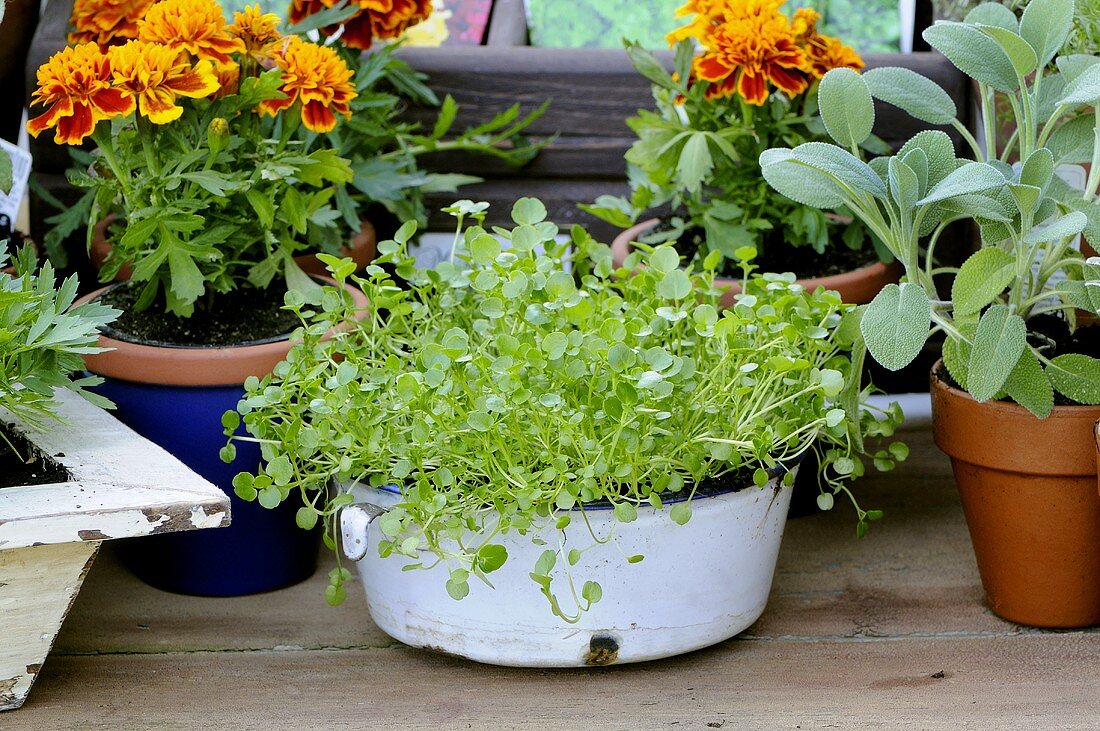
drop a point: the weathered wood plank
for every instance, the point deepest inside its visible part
(593, 90)
(994, 683)
(37, 588)
(885, 632)
(122, 485)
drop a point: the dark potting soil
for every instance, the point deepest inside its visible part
(733, 481)
(26, 464)
(243, 316)
(779, 256)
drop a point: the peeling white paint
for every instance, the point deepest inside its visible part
(199, 518)
(40, 584)
(68, 528)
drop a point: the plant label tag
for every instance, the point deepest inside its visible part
(20, 173)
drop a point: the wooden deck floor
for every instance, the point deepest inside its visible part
(887, 632)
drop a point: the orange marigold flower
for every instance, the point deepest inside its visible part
(155, 76)
(75, 83)
(258, 31)
(710, 14)
(318, 78)
(804, 24)
(106, 22)
(195, 26)
(744, 54)
(825, 53)
(380, 19)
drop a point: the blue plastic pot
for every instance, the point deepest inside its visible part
(261, 550)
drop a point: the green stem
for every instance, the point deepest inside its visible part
(108, 155)
(966, 135)
(988, 122)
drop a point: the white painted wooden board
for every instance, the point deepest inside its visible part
(37, 587)
(121, 485)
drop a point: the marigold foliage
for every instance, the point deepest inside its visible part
(207, 195)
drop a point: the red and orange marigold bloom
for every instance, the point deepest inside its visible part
(743, 55)
(75, 85)
(106, 22)
(195, 26)
(381, 19)
(258, 31)
(825, 53)
(316, 77)
(155, 76)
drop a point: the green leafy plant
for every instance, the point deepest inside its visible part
(43, 338)
(503, 390)
(1085, 36)
(871, 26)
(384, 150)
(696, 152)
(1028, 216)
(599, 23)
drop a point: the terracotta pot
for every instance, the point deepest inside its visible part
(1097, 425)
(1029, 491)
(856, 287)
(191, 366)
(361, 249)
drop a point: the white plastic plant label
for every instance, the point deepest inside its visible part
(20, 174)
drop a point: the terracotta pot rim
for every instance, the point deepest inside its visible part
(193, 365)
(620, 248)
(1007, 408)
(1007, 438)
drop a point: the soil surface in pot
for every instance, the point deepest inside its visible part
(733, 481)
(26, 464)
(779, 256)
(1052, 333)
(239, 317)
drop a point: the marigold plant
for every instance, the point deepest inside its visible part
(382, 147)
(745, 77)
(197, 164)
